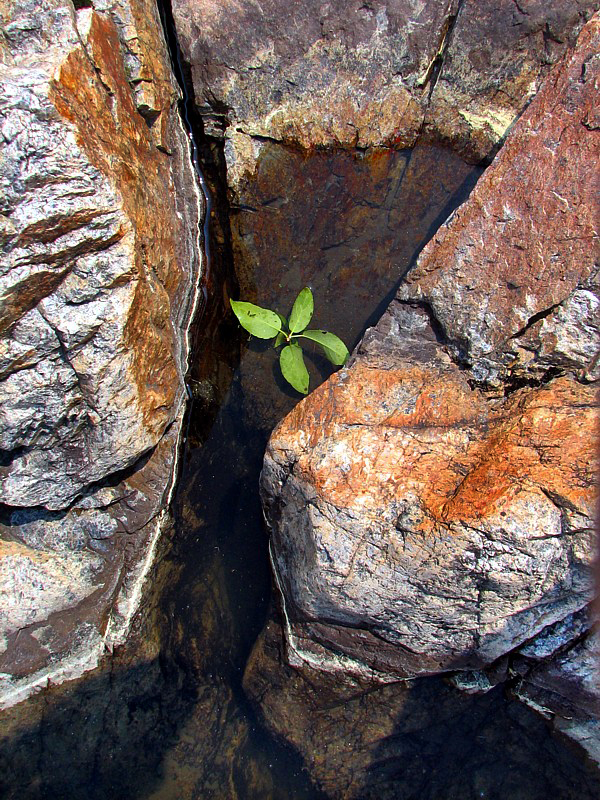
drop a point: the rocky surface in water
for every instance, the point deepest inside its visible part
(432, 505)
(420, 738)
(99, 229)
(369, 74)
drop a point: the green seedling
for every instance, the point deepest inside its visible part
(266, 324)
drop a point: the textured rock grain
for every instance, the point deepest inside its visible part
(99, 233)
(419, 527)
(513, 277)
(422, 524)
(369, 74)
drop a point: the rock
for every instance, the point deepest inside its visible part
(421, 523)
(419, 527)
(418, 738)
(528, 231)
(495, 58)
(557, 637)
(100, 213)
(374, 74)
(566, 691)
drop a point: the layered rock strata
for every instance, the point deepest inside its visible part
(432, 505)
(99, 227)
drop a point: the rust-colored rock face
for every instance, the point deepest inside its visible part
(443, 529)
(99, 234)
(513, 277)
(421, 522)
(91, 91)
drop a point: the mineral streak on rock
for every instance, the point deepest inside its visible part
(99, 232)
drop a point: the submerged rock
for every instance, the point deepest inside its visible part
(99, 233)
(431, 505)
(566, 691)
(421, 738)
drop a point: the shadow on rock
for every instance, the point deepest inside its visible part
(416, 740)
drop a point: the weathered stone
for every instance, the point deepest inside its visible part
(419, 527)
(566, 691)
(369, 74)
(556, 637)
(94, 264)
(529, 231)
(99, 233)
(421, 524)
(496, 57)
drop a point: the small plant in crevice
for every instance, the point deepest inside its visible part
(266, 324)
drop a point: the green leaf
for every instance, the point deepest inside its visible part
(302, 311)
(280, 339)
(260, 322)
(333, 347)
(293, 368)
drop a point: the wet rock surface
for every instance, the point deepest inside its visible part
(565, 690)
(99, 231)
(345, 224)
(415, 739)
(432, 504)
(165, 716)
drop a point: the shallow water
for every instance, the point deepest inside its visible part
(167, 717)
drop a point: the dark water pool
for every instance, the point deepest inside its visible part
(167, 718)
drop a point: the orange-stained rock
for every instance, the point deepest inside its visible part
(99, 230)
(420, 527)
(420, 522)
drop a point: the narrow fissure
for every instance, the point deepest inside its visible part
(213, 332)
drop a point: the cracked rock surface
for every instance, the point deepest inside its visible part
(338, 74)
(432, 504)
(99, 219)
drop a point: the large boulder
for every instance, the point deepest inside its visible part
(427, 514)
(420, 527)
(99, 231)
(358, 74)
